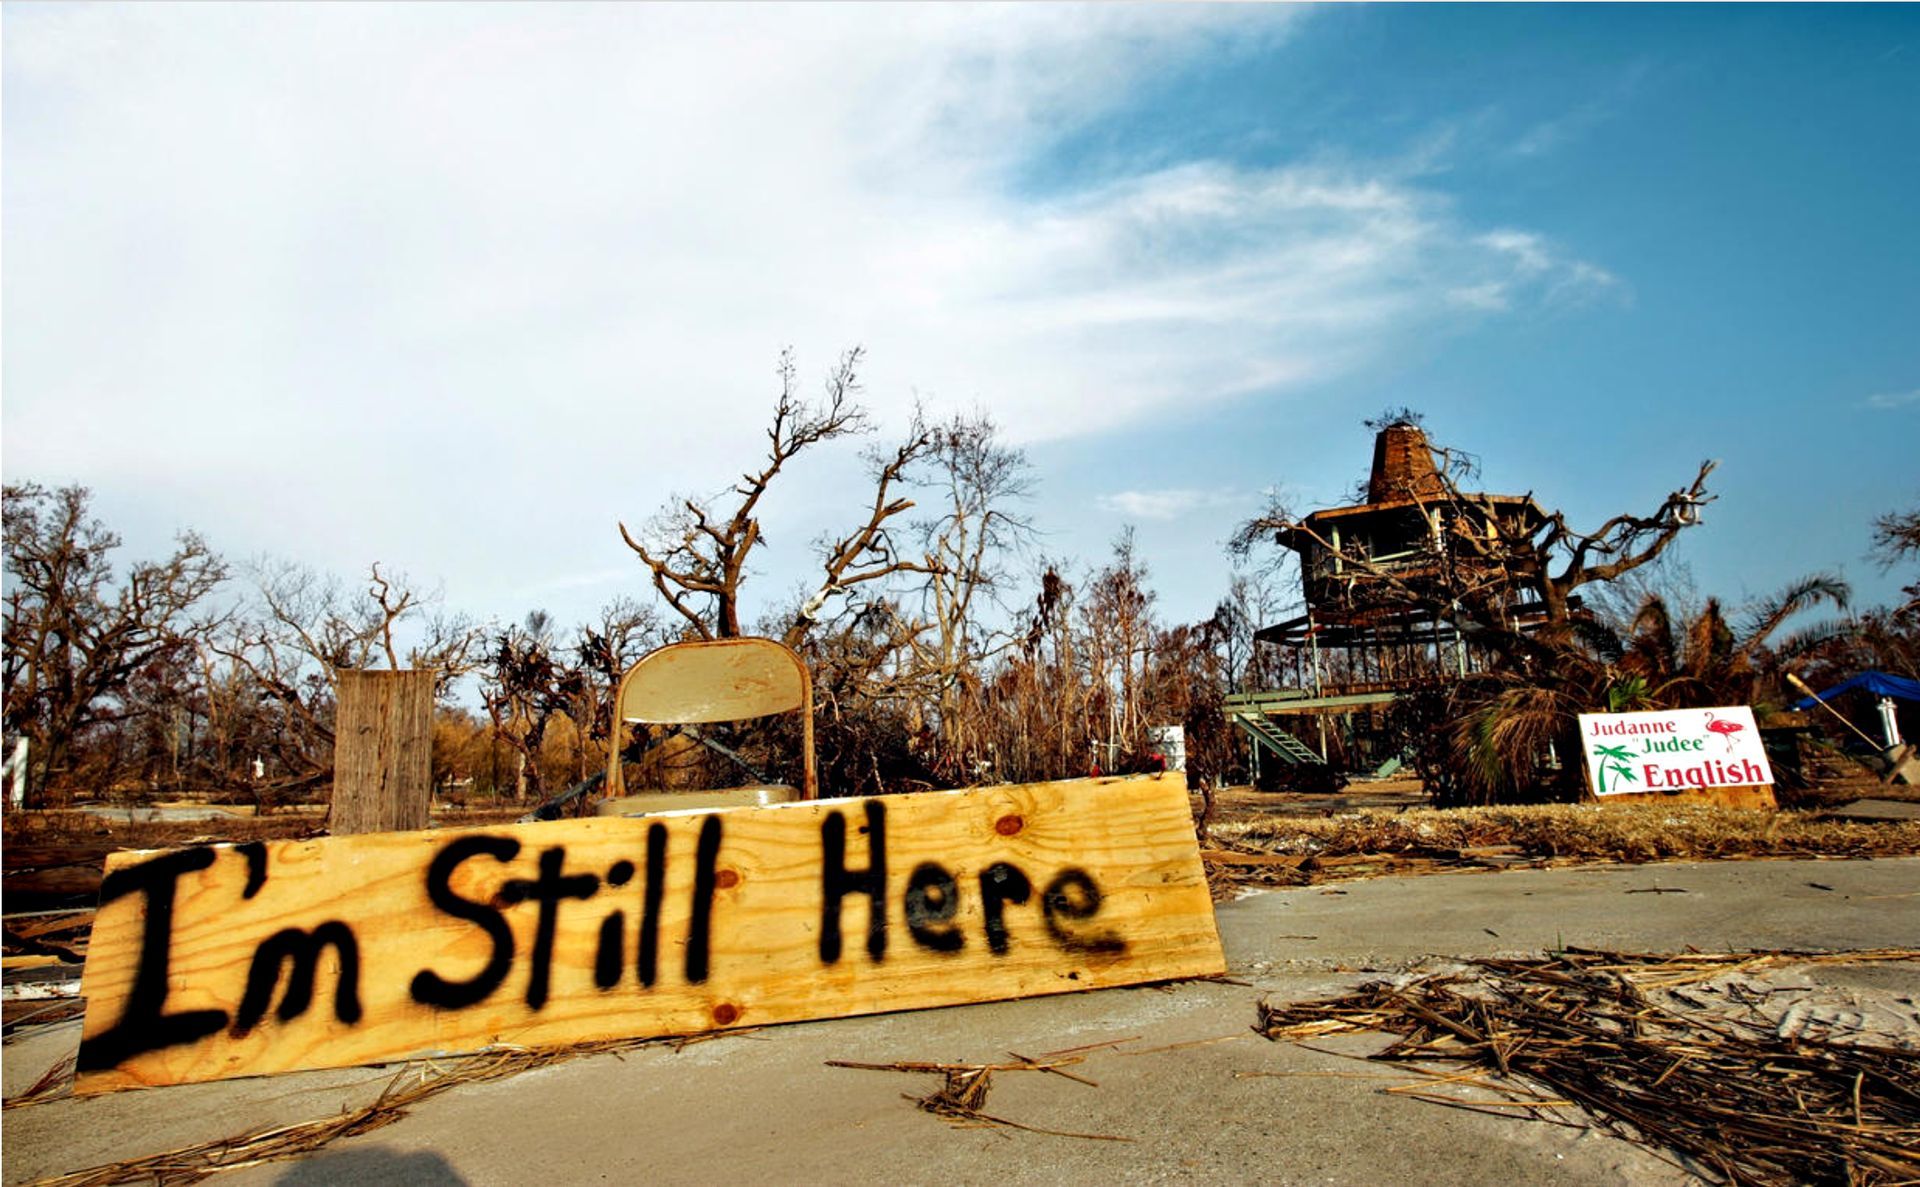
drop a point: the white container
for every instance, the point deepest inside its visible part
(1170, 741)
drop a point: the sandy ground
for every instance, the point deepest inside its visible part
(1200, 1096)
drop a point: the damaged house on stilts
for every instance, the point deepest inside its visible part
(1376, 579)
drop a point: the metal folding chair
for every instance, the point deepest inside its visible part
(698, 683)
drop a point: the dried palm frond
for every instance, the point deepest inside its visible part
(963, 1089)
(1804, 594)
(414, 1084)
(1740, 1101)
(1499, 743)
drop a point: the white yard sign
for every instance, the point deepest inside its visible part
(1676, 750)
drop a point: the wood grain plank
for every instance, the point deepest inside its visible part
(383, 751)
(1758, 796)
(458, 940)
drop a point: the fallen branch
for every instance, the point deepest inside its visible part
(964, 1086)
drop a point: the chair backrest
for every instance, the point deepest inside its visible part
(722, 680)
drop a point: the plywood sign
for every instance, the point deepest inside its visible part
(246, 959)
(1677, 750)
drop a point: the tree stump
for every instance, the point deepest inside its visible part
(382, 751)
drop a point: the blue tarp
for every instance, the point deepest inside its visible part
(1878, 683)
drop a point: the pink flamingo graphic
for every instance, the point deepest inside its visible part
(1725, 729)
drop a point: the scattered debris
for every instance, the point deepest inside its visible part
(39, 876)
(1185, 1046)
(964, 1086)
(37, 1014)
(415, 1083)
(43, 955)
(55, 980)
(1292, 851)
(55, 1081)
(1595, 1029)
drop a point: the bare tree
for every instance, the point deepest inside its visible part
(1117, 616)
(1041, 695)
(867, 553)
(533, 679)
(522, 692)
(75, 637)
(918, 651)
(871, 731)
(602, 652)
(696, 550)
(301, 627)
(1896, 537)
(322, 620)
(980, 481)
(1038, 702)
(1251, 602)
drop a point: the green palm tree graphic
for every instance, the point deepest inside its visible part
(1617, 756)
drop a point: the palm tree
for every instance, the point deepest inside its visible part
(1711, 663)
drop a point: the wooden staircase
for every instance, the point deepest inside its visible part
(1270, 737)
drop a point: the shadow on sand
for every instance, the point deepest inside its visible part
(373, 1166)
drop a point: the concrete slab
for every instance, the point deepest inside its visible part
(1200, 1097)
(1875, 810)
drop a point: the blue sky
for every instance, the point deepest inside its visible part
(456, 287)
(1746, 176)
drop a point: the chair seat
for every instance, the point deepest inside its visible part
(685, 801)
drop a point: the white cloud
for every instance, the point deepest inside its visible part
(1548, 135)
(1889, 400)
(1488, 297)
(1165, 504)
(462, 284)
(1527, 250)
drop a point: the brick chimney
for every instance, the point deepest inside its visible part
(1402, 465)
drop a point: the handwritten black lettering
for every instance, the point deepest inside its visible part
(430, 988)
(612, 946)
(933, 898)
(144, 1025)
(837, 881)
(1074, 896)
(301, 949)
(700, 924)
(256, 854)
(285, 972)
(649, 955)
(548, 890)
(1001, 884)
